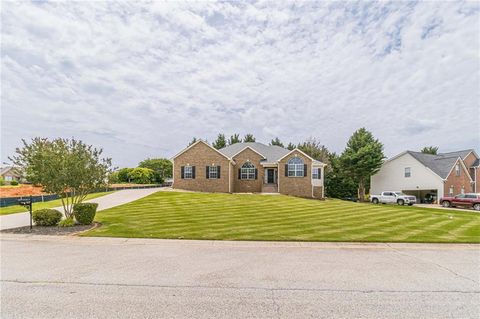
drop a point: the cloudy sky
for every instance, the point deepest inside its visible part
(141, 79)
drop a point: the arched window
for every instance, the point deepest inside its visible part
(295, 167)
(247, 171)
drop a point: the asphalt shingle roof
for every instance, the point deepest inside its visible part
(272, 153)
(440, 164)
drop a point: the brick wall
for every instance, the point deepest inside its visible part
(248, 186)
(296, 186)
(458, 181)
(200, 156)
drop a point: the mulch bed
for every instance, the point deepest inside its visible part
(50, 230)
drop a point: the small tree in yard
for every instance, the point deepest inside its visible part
(276, 141)
(68, 168)
(362, 158)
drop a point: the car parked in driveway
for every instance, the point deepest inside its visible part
(393, 197)
(469, 200)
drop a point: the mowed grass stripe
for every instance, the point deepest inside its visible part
(260, 217)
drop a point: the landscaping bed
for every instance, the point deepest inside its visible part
(50, 230)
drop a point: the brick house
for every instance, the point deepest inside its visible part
(420, 174)
(248, 168)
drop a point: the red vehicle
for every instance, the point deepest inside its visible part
(469, 200)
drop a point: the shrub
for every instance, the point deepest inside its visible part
(67, 222)
(141, 175)
(46, 217)
(14, 183)
(85, 212)
(2, 181)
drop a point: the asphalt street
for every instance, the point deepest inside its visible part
(72, 277)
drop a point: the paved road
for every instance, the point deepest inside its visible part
(111, 200)
(72, 277)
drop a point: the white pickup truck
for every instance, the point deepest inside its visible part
(391, 197)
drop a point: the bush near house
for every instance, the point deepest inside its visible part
(85, 212)
(46, 217)
(14, 183)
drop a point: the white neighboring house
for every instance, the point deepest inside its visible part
(419, 174)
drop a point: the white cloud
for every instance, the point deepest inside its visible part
(141, 79)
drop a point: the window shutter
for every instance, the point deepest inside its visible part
(218, 171)
(193, 171)
(239, 173)
(182, 172)
(319, 173)
(256, 173)
(304, 170)
(286, 170)
(207, 171)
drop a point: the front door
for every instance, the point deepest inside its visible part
(270, 176)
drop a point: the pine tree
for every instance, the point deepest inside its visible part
(220, 142)
(277, 142)
(430, 150)
(235, 138)
(249, 138)
(362, 158)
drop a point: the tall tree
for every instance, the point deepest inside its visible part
(291, 146)
(362, 158)
(235, 138)
(338, 183)
(249, 138)
(430, 150)
(161, 167)
(315, 149)
(276, 141)
(220, 142)
(194, 140)
(68, 168)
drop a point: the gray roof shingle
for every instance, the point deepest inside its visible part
(272, 153)
(440, 164)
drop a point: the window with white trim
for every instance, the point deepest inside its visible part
(457, 169)
(450, 191)
(316, 173)
(187, 172)
(463, 190)
(295, 167)
(247, 171)
(408, 172)
(213, 172)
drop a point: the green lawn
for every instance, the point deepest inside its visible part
(39, 205)
(263, 217)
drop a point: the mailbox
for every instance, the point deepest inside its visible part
(27, 202)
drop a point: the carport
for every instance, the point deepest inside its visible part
(424, 196)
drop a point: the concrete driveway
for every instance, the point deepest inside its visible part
(72, 277)
(111, 200)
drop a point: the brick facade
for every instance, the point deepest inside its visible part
(248, 186)
(296, 186)
(200, 156)
(458, 181)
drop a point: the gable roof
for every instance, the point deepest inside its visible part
(200, 141)
(301, 152)
(461, 154)
(440, 164)
(6, 169)
(271, 153)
